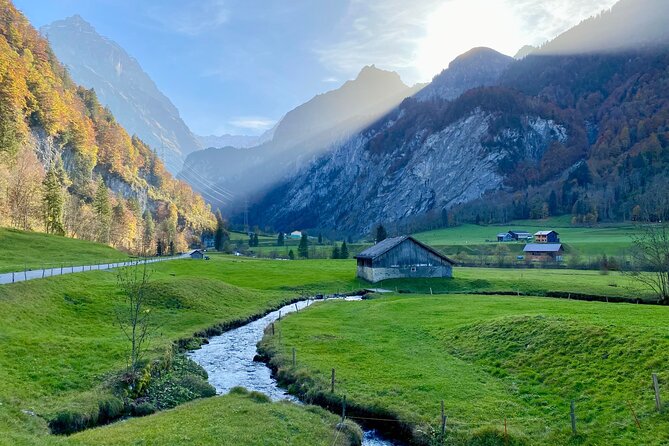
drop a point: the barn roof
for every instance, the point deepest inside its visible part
(386, 245)
(545, 233)
(543, 247)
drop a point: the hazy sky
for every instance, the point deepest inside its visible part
(236, 66)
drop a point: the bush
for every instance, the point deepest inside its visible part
(110, 409)
(142, 409)
(69, 422)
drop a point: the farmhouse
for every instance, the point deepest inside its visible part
(520, 235)
(296, 235)
(546, 237)
(504, 237)
(196, 254)
(544, 251)
(402, 257)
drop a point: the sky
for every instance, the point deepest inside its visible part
(237, 66)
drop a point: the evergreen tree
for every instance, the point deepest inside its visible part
(149, 233)
(320, 239)
(335, 252)
(159, 247)
(256, 241)
(103, 212)
(381, 234)
(53, 203)
(171, 247)
(344, 251)
(280, 240)
(221, 235)
(291, 255)
(303, 248)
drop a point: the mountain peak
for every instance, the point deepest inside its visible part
(477, 67)
(371, 72)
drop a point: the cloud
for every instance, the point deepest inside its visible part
(191, 18)
(252, 123)
(330, 80)
(393, 33)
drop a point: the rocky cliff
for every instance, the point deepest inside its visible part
(360, 184)
(122, 85)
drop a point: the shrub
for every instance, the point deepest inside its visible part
(142, 409)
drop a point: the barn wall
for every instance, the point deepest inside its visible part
(407, 260)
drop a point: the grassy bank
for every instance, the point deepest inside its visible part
(236, 419)
(34, 250)
(489, 358)
(61, 344)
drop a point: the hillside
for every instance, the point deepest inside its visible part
(68, 167)
(121, 84)
(302, 135)
(582, 134)
(33, 250)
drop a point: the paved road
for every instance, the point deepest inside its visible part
(22, 276)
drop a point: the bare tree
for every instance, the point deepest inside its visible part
(133, 316)
(650, 251)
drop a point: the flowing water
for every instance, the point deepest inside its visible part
(228, 359)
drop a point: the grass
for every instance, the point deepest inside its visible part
(488, 357)
(232, 419)
(60, 342)
(609, 239)
(34, 250)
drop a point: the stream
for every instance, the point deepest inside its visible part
(228, 359)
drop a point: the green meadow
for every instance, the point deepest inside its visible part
(62, 348)
(33, 250)
(489, 358)
(608, 239)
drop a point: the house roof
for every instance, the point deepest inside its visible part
(545, 233)
(386, 245)
(543, 247)
(503, 234)
(193, 251)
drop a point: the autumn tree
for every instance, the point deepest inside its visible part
(24, 189)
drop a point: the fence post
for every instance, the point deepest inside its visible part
(294, 359)
(272, 328)
(506, 433)
(12, 277)
(343, 410)
(61, 269)
(332, 389)
(572, 412)
(42, 271)
(656, 385)
(443, 420)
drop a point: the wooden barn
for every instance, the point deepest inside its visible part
(196, 254)
(402, 257)
(544, 251)
(547, 237)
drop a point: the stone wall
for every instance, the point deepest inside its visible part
(378, 274)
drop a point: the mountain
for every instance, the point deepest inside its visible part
(478, 67)
(524, 52)
(227, 140)
(120, 83)
(303, 134)
(582, 132)
(68, 167)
